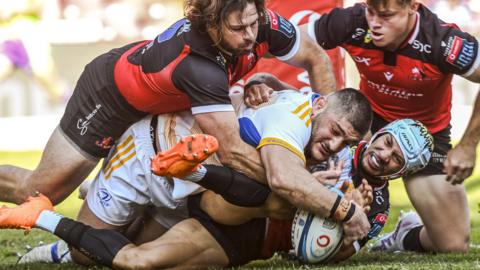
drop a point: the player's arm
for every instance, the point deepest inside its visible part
(287, 176)
(377, 216)
(461, 159)
(206, 85)
(462, 56)
(316, 62)
(269, 80)
(260, 86)
(294, 47)
(233, 151)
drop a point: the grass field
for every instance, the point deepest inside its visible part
(13, 241)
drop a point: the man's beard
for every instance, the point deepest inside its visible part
(235, 51)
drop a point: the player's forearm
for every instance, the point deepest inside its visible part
(320, 74)
(318, 65)
(245, 159)
(233, 151)
(302, 190)
(471, 136)
(271, 81)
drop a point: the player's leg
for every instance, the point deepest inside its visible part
(186, 245)
(96, 115)
(226, 213)
(61, 169)
(443, 208)
(87, 217)
(145, 228)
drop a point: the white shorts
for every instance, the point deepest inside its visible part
(125, 186)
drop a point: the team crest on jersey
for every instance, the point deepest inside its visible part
(368, 37)
(459, 52)
(419, 75)
(104, 197)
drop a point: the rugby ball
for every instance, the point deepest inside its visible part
(315, 239)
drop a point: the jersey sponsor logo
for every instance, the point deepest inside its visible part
(104, 197)
(364, 60)
(460, 52)
(273, 19)
(398, 93)
(82, 124)
(221, 59)
(377, 225)
(424, 48)
(438, 158)
(170, 32)
(286, 27)
(359, 32)
(388, 75)
(185, 28)
(379, 197)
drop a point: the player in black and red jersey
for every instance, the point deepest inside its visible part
(190, 65)
(406, 57)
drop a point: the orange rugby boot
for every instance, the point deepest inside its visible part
(185, 157)
(24, 215)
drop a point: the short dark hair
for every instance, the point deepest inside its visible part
(381, 3)
(353, 106)
(204, 14)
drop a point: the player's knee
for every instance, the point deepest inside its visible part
(23, 190)
(131, 258)
(458, 244)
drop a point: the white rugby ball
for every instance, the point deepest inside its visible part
(315, 239)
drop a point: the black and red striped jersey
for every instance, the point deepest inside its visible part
(415, 80)
(182, 68)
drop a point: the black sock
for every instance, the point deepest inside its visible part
(411, 242)
(99, 245)
(234, 187)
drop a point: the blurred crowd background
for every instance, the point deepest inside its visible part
(45, 44)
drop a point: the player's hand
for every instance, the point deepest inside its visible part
(331, 176)
(257, 94)
(363, 196)
(357, 227)
(459, 163)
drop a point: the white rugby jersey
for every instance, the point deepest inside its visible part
(285, 121)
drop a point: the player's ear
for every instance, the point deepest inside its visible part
(319, 104)
(413, 7)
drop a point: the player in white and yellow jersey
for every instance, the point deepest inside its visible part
(329, 120)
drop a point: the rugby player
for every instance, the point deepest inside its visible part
(406, 57)
(188, 66)
(402, 147)
(326, 124)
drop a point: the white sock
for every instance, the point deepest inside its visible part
(48, 220)
(67, 258)
(197, 175)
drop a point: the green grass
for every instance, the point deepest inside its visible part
(13, 241)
